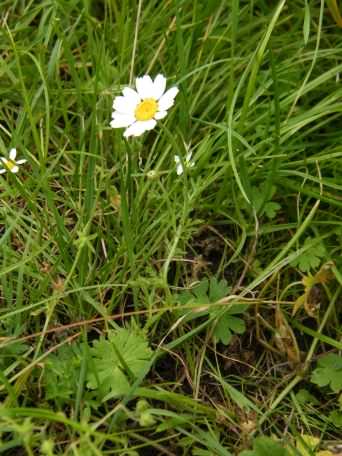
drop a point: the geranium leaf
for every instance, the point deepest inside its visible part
(329, 372)
(115, 359)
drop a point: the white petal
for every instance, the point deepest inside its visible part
(2, 171)
(122, 120)
(179, 169)
(135, 129)
(131, 95)
(145, 87)
(148, 124)
(177, 159)
(124, 105)
(159, 86)
(4, 160)
(12, 154)
(167, 100)
(188, 156)
(139, 127)
(15, 169)
(21, 162)
(160, 115)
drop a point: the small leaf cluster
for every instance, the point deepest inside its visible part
(312, 256)
(205, 295)
(263, 203)
(118, 360)
(114, 363)
(329, 372)
(62, 373)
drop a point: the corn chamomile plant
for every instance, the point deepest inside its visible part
(138, 110)
(11, 164)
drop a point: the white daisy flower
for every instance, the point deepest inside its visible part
(187, 163)
(11, 164)
(138, 110)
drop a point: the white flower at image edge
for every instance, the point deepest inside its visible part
(138, 110)
(187, 163)
(11, 164)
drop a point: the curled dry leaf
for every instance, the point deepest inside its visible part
(311, 298)
(285, 339)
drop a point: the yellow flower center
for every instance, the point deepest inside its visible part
(146, 109)
(9, 164)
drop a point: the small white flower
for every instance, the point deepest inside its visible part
(138, 110)
(11, 164)
(187, 163)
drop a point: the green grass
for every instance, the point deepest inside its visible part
(98, 233)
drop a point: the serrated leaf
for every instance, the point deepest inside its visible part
(236, 324)
(222, 332)
(197, 296)
(205, 292)
(310, 261)
(185, 297)
(262, 206)
(226, 325)
(111, 356)
(200, 291)
(329, 372)
(61, 373)
(202, 295)
(209, 292)
(311, 258)
(218, 289)
(271, 208)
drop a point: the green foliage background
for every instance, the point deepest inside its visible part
(100, 239)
